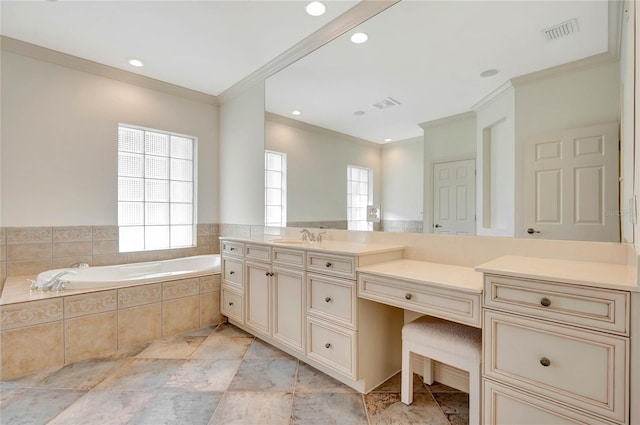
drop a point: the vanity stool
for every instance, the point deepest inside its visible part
(451, 343)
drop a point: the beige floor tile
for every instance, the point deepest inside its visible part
(180, 347)
(243, 408)
(387, 409)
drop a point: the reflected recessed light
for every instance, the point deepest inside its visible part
(359, 113)
(387, 140)
(135, 62)
(315, 8)
(489, 73)
(359, 37)
(296, 112)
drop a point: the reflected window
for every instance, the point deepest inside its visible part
(156, 189)
(275, 189)
(359, 196)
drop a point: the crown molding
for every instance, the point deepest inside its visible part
(493, 96)
(447, 120)
(353, 17)
(270, 116)
(69, 61)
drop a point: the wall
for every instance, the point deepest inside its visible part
(241, 173)
(627, 125)
(59, 142)
(317, 162)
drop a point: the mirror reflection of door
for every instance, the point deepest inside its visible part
(454, 197)
(570, 184)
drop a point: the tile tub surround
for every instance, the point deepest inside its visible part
(192, 379)
(31, 250)
(61, 328)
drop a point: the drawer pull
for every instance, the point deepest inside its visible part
(328, 264)
(269, 274)
(232, 272)
(545, 302)
(327, 345)
(230, 302)
(327, 300)
(545, 362)
(232, 249)
(408, 296)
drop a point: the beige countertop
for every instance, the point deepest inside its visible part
(604, 275)
(328, 246)
(432, 274)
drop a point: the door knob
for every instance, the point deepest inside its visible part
(531, 231)
(437, 225)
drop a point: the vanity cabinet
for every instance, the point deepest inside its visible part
(554, 352)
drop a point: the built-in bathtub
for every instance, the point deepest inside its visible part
(104, 310)
(134, 274)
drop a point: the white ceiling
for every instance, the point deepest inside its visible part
(203, 45)
(428, 56)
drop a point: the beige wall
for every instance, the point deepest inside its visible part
(402, 179)
(59, 142)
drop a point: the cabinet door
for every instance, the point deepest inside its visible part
(258, 297)
(288, 307)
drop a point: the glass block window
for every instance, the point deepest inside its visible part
(359, 196)
(156, 189)
(275, 189)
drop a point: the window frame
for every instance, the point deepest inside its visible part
(283, 188)
(353, 224)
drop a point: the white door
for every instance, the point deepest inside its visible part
(288, 311)
(571, 185)
(454, 197)
(258, 297)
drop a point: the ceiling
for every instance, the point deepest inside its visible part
(428, 56)
(206, 46)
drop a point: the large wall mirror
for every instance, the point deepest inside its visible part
(497, 118)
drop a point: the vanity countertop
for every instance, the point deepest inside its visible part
(434, 274)
(604, 275)
(328, 246)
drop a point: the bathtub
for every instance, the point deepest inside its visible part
(137, 273)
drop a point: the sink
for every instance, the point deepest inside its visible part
(290, 241)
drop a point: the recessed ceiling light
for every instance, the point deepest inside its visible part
(359, 37)
(296, 112)
(359, 113)
(489, 73)
(315, 8)
(135, 62)
(387, 140)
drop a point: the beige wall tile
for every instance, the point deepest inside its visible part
(28, 251)
(90, 336)
(203, 229)
(173, 253)
(141, 257)
(3, 252)
(64, 262)
(180, 315)
(28, 234)
(204, 240)
(180, 288)
(210, 283)
(3, 235)
(210, 309)
(3, 275)
(19, 353)
(71, 249)
(72, 234)
(105, 233)
(215, 229)
(27, 268)
(139, 324)
(109, 259)
(96, 302)
(105, 247)
(30, 313)
(139, 295)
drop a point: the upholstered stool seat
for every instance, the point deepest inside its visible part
(447, 342)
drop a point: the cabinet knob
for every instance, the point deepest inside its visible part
(230, 302)
(545, 302)
(328, 264)
(545, 362)
(267, 274)
(408, 296)
(327, 300)
(232, 272)
(232, 249)
(531, 231)
(327, 345)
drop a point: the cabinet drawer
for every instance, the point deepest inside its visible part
(232, 248)
(336, 265)
(233, 271)
(332, 299)
(504, 405)
(457, 306)
(257, 252)
(584, 369)
(599, 309)
(231, 303)
(288, 257)
(332, 346)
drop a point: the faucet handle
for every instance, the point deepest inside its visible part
(32, 284)
(319, 237)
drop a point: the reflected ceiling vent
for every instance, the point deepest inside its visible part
(387, 103)
(561, 30)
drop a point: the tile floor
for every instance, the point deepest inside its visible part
(216, 376)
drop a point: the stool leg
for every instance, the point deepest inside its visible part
(406, 387)
(475, 391)
(427, 370)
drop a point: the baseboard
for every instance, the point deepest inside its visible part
(444, 374)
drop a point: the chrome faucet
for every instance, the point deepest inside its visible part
(307, 235)
(79, 265)
(319, 237)
(53, 284)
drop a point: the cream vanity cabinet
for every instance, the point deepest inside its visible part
(554, 352)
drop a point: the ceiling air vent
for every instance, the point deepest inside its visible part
(561, 30)
(385, 104)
